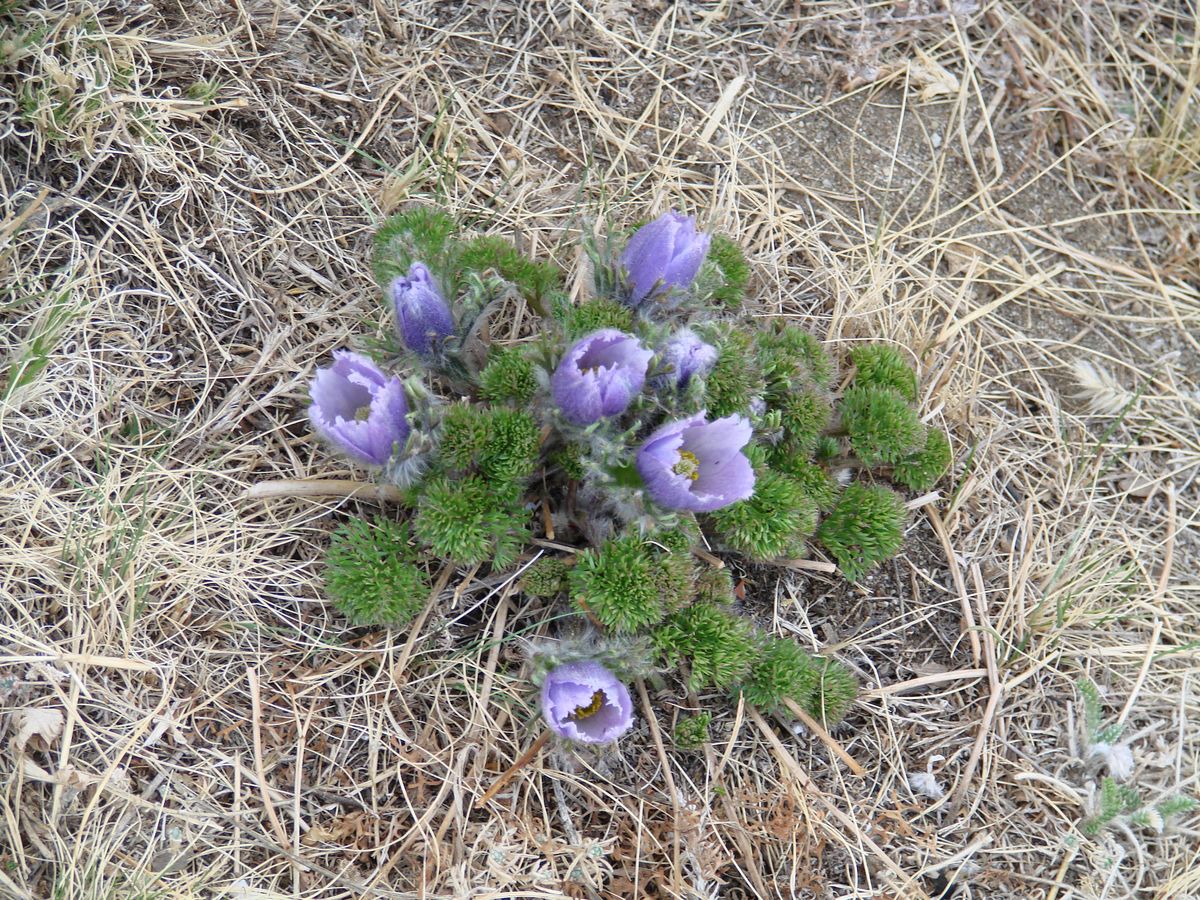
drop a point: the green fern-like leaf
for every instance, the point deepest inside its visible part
(921, 470)
(1116, 800)
(881, 365)
(371, 575)
(865, 528)
(774, 521)
(691, 732)
(466, 521)
(508, 377)
(592, 315)
(834, 691)
(783, 671)
(1176, 806)
(882, 426)
(616, 583)
(719, 645)
(420, 234)
(546, 578)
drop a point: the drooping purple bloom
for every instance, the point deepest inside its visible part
(599, 376)
(585, 702)
(422, 315)
(359, 409)
(685, 356)
(697, 465)
(662, 254)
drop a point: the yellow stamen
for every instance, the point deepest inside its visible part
(584, 712)
(362, 413)
(688, 465)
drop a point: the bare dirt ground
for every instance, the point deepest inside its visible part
(1009, 189)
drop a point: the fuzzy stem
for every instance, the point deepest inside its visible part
(526, 759)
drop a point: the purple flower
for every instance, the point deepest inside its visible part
(599, 376)
(685, 355)
(663, 254)
(359, 409)
(585, 702)
(697, 465)
(422, 316)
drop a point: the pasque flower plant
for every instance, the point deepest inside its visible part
(638, 422)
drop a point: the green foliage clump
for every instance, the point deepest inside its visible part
(371, 575)
(510, 452)
(674, 578)
(865, 528)
(792, 356)
(569, 458)
(533, 279)
(833, 692)
(782, 672)
(594, 314)
(508, 377)
(828, 448)
(616, 583)
(469, 522)
(803, 415)
(415, 235)
(819, 486)
(465, 432)
(714, 586)
(882, 426)
(546, 577)
(719, 645)
(880, 365)
(774, 521)
(730, 262)
(736, 379)
(691, 732)
(921, 470)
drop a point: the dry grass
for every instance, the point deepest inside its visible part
(1007, 188)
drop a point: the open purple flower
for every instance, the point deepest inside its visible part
(359, 409)
(685, 355)
(599, 376)
(662, 254)
(697, 465)
(422, 315)
(585, 702)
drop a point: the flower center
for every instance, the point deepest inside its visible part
(362, 413)
(585, 712)
(688, 465)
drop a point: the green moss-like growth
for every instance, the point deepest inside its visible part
(691, 732)
(371, 576)
(533, 279)
(616, 583)
(546, 578)
(592, 315)
(464, 434)
(791, 357)
(922, 470)
(804, 415)
(674, 578)
(881, 365)
(774, 521)
(734, 271)
(882, 426)
(569, 458)
(736, 379)
(834, 690)
(467, 521)
(508, 377)
(828, 448)
(719, 645)
(415, 235)
(782, 672)
(818, 485)
(865, 528)
(714, 586)
(510, 453)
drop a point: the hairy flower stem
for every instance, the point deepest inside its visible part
(323, 487)
(525, 759)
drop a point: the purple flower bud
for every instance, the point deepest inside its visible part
(685, 355)
(585, 702)
(359, 409)
(697, 465)
(422, 316)
(599, 376)
(663, 254)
